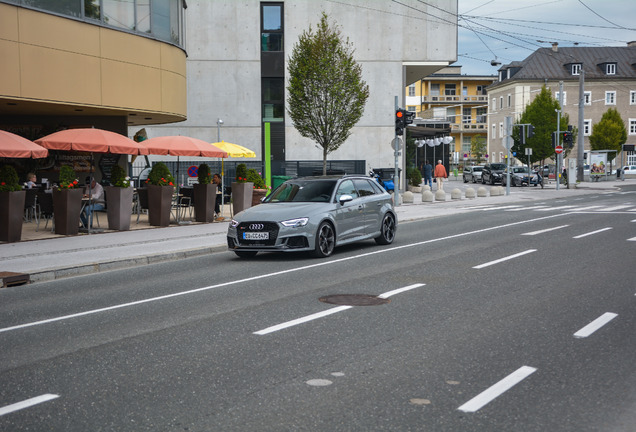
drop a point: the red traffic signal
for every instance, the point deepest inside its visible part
(399, 114)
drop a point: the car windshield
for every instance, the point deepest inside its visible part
(303, 191)
(519, 170)
(477, 169)
(498, 166)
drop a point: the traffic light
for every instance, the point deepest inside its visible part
(408, 117)
(555, 141)
(567, 139)
(400, 118)
(530, 131)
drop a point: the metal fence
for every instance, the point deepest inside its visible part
(141, 168)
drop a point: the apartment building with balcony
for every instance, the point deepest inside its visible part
(460, 100)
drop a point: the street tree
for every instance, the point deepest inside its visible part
(609, 133)
(326, 92)
(541, 114)
(478, 147)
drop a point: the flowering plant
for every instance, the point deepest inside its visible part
(160, 175)
(68, 178)
(255, 177)
(241, 173)
(9, 179)
(205, 177)
(118, 177)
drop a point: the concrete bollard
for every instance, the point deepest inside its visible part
(407, 198)
(425, 188)
(456, 194)
(470, 193)
(440, 195)
(494, 191)
(482, 192)
(427, 196)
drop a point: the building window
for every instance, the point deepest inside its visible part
(493, 135)
(466, 117)
(509, 100)
(632, 126)
(434, 89)
(464, 91)
(610, 98)
(501, 130)
(449, 90)
(466, 145)
(272, 27)
(563, 99)
(411, 108)
(480, 90)
(412, 90)
(450, 115)
(481, 114)
(273, 99)
(632, 97)
(587, 127)
(610, 69)
(576, 69)
(494, 104)
(500, 102)
(587, 97)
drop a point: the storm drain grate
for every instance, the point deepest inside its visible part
(354, 300)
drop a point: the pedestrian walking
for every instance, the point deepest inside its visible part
(440, 175)
(428, 174)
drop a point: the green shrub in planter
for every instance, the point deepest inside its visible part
(254, 177)
(9, 181)
(118, 177)
(68, 178)
(205, 176)
(160, 175)
(414, 176)
(241, 173)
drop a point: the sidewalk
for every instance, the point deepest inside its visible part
(53, 258)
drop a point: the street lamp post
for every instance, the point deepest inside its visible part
(219, 122)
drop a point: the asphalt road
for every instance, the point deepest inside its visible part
(517, 317)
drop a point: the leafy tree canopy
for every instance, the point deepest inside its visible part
(478, 147)
(541, 114)
(326, 93)
(609, 133)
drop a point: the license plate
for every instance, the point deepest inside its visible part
(256, 236)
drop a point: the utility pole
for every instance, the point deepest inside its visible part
(558, 155)
(508, 140)
(579, 139)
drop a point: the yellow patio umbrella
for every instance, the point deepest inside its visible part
(235, 150)
(232, 150)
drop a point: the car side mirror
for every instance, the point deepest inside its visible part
(345, 199)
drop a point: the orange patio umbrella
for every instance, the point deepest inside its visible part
(182, 146)
(15, 146)
(91, 140)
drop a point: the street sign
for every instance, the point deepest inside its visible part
(193, 171)
(528, 151)
(558, 149)
(396, 144)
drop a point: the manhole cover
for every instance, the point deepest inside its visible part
(354, 300)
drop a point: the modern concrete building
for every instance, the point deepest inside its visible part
(237, 66)
(459, 100)
(87, 63)
(610, 82)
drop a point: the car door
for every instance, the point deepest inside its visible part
(349, 215)
(372, 204)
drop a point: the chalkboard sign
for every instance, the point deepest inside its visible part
(106, 164)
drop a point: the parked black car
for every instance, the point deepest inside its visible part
(493, 173)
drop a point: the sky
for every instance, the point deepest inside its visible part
(510, 30)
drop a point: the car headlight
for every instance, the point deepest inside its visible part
(295, 223)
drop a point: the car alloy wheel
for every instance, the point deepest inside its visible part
(325, 240)
(387, 230)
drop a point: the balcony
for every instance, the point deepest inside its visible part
(478, 99)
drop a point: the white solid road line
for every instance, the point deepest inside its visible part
(27, 403)
(595, 325)
(544, 230)
(497, 389)
(327, 312)
(504, 259)
(592, 233)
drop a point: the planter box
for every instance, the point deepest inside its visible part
(258, 195)
(242, 196)
(11, 214)
(67, 204)
(159, 203)
(119, 207)
(204, 199)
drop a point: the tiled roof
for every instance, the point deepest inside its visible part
(545, 63)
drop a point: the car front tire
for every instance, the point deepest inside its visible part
(387, 230)
(325, 240)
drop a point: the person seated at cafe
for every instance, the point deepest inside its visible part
(216, 180)
(31, 181)
(96, 194)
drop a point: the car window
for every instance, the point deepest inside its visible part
(346, 188)
(303, 191)
(377, 187)
(364, 187)
(498, 166)
(477, 169)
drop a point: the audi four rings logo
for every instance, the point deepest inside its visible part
(257, 227)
